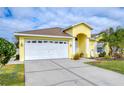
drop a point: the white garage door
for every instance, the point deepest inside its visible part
(45, 49)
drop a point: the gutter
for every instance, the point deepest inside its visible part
(19, 34)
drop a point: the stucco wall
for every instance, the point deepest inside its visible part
(93, 48)
(82, 32)
(81, 29)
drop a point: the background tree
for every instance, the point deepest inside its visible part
(114, 38)
(120, 39)
(17, 44)
(107, 38)
(7, 50)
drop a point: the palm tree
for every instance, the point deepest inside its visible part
(114, 39)
(106, 38)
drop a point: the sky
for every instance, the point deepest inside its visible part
(17, 19)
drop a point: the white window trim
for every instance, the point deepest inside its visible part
(73, 46)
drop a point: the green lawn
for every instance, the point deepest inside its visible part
(12, 75)
(114, 65)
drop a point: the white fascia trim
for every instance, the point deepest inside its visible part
(19, 34)
(78, 24)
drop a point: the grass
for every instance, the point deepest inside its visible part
(12, 75)
(114, 65)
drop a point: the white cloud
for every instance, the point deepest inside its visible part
(35, 18)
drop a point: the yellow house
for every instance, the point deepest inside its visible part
(52, 43)
(106, 47)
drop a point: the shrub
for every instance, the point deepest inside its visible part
(122, 55)
(102, 54)
(76, 56)
(81, 54)
(107, 57)
(7, 50)
(117, 55)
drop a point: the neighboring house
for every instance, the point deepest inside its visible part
(52, 43)
(100, 45)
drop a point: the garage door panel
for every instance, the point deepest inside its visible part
(46, 49)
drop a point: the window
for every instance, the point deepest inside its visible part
(100, 49)
(28, 41)
(34, 41)
(60, 42)
(65, 43)
(45, 41)
(39, 41)
(56, 42)
(51, 41)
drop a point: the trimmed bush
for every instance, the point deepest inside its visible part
(81, 54)
(102, 54)
(76, 56)
(107, 57)
(117, 55)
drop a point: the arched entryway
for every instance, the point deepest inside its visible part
(81, 44)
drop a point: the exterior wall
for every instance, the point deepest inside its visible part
(69, 31)
(93, 48)
(74, 46)
(21, 48)
(22, 44)
(81, 29)
(107, 49)
(82, 44)
(87, 47)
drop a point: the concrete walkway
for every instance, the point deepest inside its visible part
(66, 72)
(15, 62)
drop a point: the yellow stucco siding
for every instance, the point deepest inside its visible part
(70, 49)
(46, 38)
(81, 29)
(92, 42)
(107, 49)
(93, 48)
(98, 38)
(23, 38)
(69, 31)
(81, 32)
(82, 44)
(21, 48)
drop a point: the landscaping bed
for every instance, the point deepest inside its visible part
(114, 65)
(12, 75)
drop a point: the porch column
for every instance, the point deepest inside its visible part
(96, 54)
(21, 49)
(73, 46)
(87, 47)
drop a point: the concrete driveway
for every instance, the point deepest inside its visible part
(66, 72)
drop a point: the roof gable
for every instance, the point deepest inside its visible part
(77, 25)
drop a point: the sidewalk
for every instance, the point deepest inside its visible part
(15, 62)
